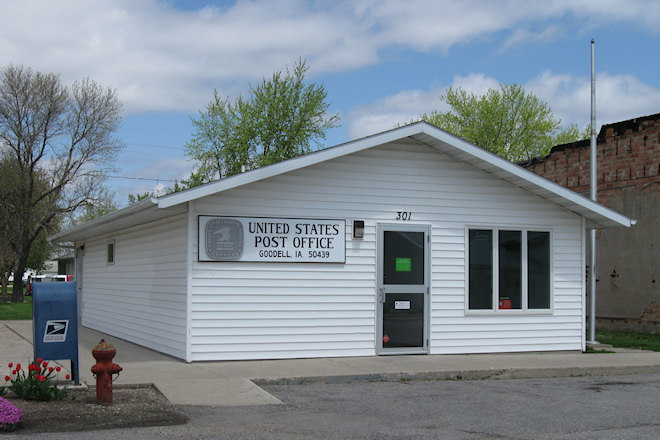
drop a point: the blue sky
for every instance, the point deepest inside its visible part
(381, 62)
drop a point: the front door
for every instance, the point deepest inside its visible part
(403, 289)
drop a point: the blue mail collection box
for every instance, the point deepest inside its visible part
(55, 323)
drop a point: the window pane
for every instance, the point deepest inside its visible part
(481, 269)
(111, 253)
(403, 257)
(510, 269)
(538, 266)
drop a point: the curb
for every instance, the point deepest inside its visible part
(490, 374)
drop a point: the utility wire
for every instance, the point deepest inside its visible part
(128, 144)
(141, 178)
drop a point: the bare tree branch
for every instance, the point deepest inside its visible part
(56, 144)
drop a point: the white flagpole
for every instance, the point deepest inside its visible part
(593, 192)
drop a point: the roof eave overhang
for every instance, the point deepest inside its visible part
(142, 212)
(288, 165)
(596, 215)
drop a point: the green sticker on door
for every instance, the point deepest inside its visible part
(404, 264)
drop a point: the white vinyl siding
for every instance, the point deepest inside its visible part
(282, 310)
(141, 297)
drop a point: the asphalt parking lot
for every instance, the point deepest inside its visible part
(584, 408)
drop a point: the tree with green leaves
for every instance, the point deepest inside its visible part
(280, 119)
(56, 146)
(509, 122)
(195, 179)
(134, 198)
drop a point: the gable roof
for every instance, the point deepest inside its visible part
(596, 215)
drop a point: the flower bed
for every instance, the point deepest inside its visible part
(134, 406)
(37, 383)
(10, 415)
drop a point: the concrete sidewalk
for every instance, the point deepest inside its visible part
(234, 382)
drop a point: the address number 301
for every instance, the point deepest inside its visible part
(403, 215)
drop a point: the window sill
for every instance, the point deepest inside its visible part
(509, 312)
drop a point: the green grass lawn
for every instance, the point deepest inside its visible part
(643, 341)
(11, 311)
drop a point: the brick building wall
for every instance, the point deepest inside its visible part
(628, 259)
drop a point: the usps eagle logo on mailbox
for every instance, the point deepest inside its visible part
(55, 330)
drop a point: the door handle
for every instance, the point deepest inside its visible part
(381, 295)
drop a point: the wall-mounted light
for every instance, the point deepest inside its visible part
(358, 228)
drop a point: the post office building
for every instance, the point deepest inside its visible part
(408, 241)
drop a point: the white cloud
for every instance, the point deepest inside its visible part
(160, 58)
(387, 113)
(408, 105)
(618, 98)
(524, 35)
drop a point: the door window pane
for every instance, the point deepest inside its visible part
(403, 257)
(403, 320)
(510, 269)
(481, 269)
(538, 267)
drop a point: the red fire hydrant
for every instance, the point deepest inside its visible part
(103, 370)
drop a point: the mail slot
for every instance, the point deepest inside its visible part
(55, 323)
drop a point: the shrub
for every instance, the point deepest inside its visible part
(10, 415)
(37, 382)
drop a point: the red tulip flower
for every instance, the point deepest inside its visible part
(68, 377)
(58, 369)
(7, 378)
(39, 360)
(11, 364)
(51, 369)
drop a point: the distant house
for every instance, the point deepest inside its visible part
(66, 264)
(627, 260)
(408, 241)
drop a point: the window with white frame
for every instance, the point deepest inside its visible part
(509, 269)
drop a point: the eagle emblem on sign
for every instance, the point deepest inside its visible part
(224, 239)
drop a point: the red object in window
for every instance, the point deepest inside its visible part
(386, 339)
(505, 303)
